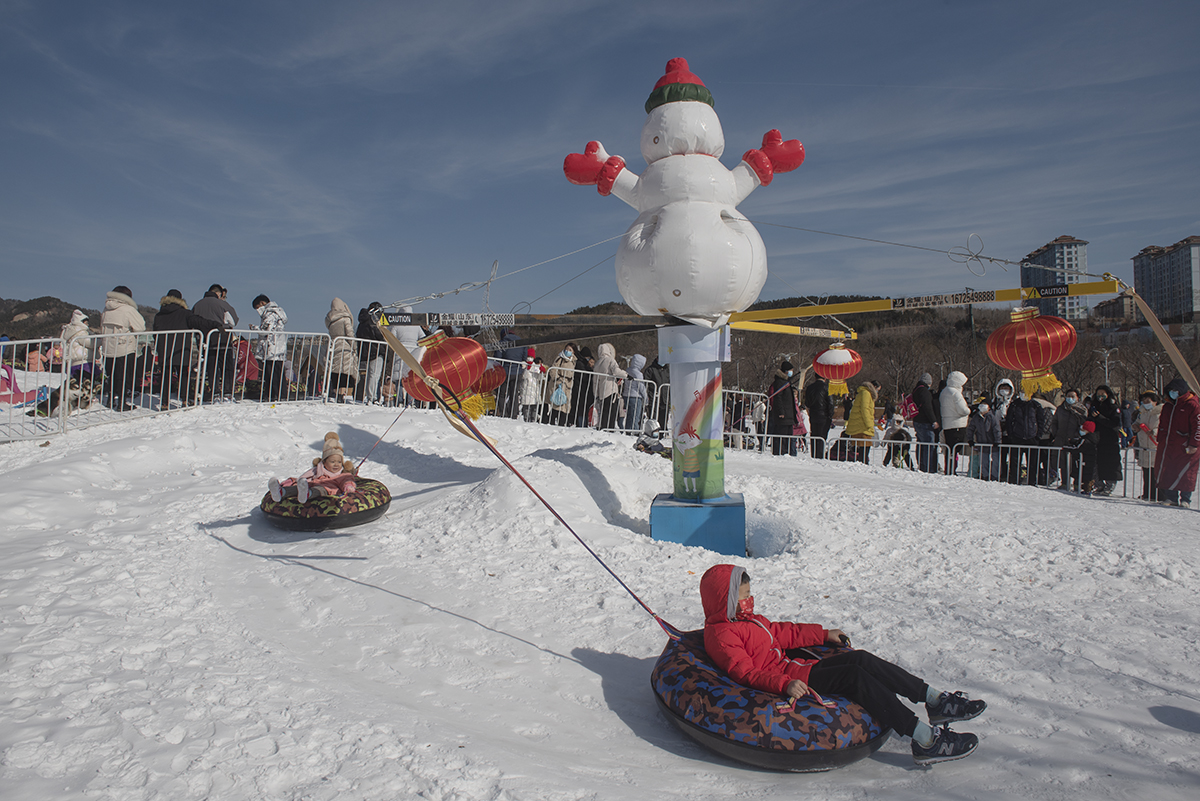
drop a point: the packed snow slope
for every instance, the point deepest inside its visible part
(159, 640)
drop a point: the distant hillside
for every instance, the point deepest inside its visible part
(44, 317)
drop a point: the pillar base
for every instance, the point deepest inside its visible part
(718, 525)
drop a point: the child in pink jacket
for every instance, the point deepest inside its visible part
(332, 474)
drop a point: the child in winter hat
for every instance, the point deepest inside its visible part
(332, 474)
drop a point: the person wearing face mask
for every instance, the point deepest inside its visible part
(1064, 435)
(781, 420)
(772, 657)
(1002, 394)
(1107, 417)
(1020, 427)
(983, 432)
(560, 379)
(1145, 427)
(1178, 459)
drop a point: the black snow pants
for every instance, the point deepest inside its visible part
(873, 684)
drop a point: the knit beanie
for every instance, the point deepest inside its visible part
(333, 446)
(1089, 427)
(786, 365)
(925, 379)
(677, 85)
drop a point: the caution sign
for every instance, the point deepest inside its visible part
(1052, 291)
(401, 318)
(437, 319)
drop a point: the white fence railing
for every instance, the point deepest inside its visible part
(46, 390)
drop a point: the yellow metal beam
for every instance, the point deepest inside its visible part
(932, 301)
(794, 330)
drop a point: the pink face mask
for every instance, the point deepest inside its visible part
(745, 608)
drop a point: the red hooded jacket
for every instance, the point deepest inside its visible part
(752, 650)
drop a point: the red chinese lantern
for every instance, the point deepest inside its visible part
(491, 379)
(1032, 344)
(838, 364)
(456, 362)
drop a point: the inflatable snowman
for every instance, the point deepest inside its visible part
(689, 253)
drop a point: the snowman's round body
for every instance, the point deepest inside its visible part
(689, 253)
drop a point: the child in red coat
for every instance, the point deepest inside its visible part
(760, 653)
(331, 475)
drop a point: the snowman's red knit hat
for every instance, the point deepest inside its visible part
(678, 84)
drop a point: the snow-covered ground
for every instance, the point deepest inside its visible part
(159, 640)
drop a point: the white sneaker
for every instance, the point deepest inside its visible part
(302, 490)
(276, 490)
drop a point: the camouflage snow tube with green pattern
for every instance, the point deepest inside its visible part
(752, 726)
(368, 502)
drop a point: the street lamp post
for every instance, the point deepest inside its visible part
(1107, 353)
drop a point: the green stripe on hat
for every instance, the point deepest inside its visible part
(678, 92)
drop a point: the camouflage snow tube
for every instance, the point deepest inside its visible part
(368, 502)
(744, 724)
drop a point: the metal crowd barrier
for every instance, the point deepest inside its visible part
(1029, 465)
(591, 415)
(267, 366)
(28, 379)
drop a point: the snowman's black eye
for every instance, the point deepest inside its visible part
(656, 140)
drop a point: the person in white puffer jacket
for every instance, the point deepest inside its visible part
(75, 336)
(955, 410)
(121, 316)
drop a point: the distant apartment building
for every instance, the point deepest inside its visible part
(1041, 268)
(1121, 310)
(1168, 279)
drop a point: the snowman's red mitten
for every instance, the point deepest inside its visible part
(784, 156)
(758, 161)
(583, 169)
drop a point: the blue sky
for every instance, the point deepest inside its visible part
(387, 150)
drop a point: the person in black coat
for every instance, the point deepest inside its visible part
(583, 397)
(927, 423)
(1020, 428)
(781, 410)
(220, 357)
(1107, 417)
(372, 351)
(660, 376)
(174, 352)
(820, 413)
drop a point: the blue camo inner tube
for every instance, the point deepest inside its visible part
(369, 501)
(747, 725)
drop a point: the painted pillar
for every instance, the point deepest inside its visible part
(695, 354)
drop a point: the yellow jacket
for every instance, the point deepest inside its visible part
(861, 424)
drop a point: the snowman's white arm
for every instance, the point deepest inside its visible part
(625, 187)
(745, 181)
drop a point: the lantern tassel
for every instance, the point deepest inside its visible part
(1034, 381)
(838, 388)
(474, 406)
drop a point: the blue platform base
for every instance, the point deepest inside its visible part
(716, 525)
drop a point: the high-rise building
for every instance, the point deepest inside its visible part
(1168, 279)
(1042, 268)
